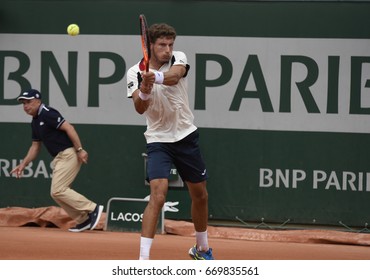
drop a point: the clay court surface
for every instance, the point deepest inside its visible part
(42, 234)
(37, 243)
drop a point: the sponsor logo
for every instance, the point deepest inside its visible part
(127, 217)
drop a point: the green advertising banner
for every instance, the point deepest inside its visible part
(126, 214)
(279, 90)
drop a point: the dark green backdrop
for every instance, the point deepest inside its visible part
(233, 156)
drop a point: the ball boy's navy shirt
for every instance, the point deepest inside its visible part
(45, 128)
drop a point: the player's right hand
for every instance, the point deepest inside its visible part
(146, 88)
(148, 78)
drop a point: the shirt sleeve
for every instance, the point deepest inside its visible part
(133, 80)
(181, 59)
(54, 119)
(35, 136)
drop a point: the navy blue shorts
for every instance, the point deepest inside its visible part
(184, 154)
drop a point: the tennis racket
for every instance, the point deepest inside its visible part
(145, 43)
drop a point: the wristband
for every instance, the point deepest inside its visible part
(159, 77)
(144, 96)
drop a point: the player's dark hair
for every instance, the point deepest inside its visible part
(159, 30)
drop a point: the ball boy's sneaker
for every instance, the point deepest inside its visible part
(95, 216)
(199, 255)
(81, 227)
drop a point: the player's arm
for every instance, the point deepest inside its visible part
(32, 153)
(173, 76)
(73, 136)
(169, 78)
(141, 96)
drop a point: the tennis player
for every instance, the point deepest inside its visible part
(64, 145)
(171, 136)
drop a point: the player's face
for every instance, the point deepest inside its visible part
(162, 49)
(31, 107)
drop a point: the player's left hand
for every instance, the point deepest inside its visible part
(148, 78)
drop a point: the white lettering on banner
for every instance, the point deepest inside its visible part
(319, 179)
(126, 217)
(287, 84)
(34, 169)
(284, 177)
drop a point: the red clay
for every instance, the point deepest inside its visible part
(44, 243)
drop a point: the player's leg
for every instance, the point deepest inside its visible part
(191, 167)
(158, 170)
(158, 192)
(199, 205)
(199, 213)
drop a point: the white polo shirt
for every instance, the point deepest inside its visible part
(168, 117)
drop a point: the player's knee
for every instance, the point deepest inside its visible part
(200, 197)
(203, 197)
(158, 200)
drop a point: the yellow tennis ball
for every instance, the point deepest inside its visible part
(73, 29)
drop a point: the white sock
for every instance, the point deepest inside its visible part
(145, 245)
(202, 241)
